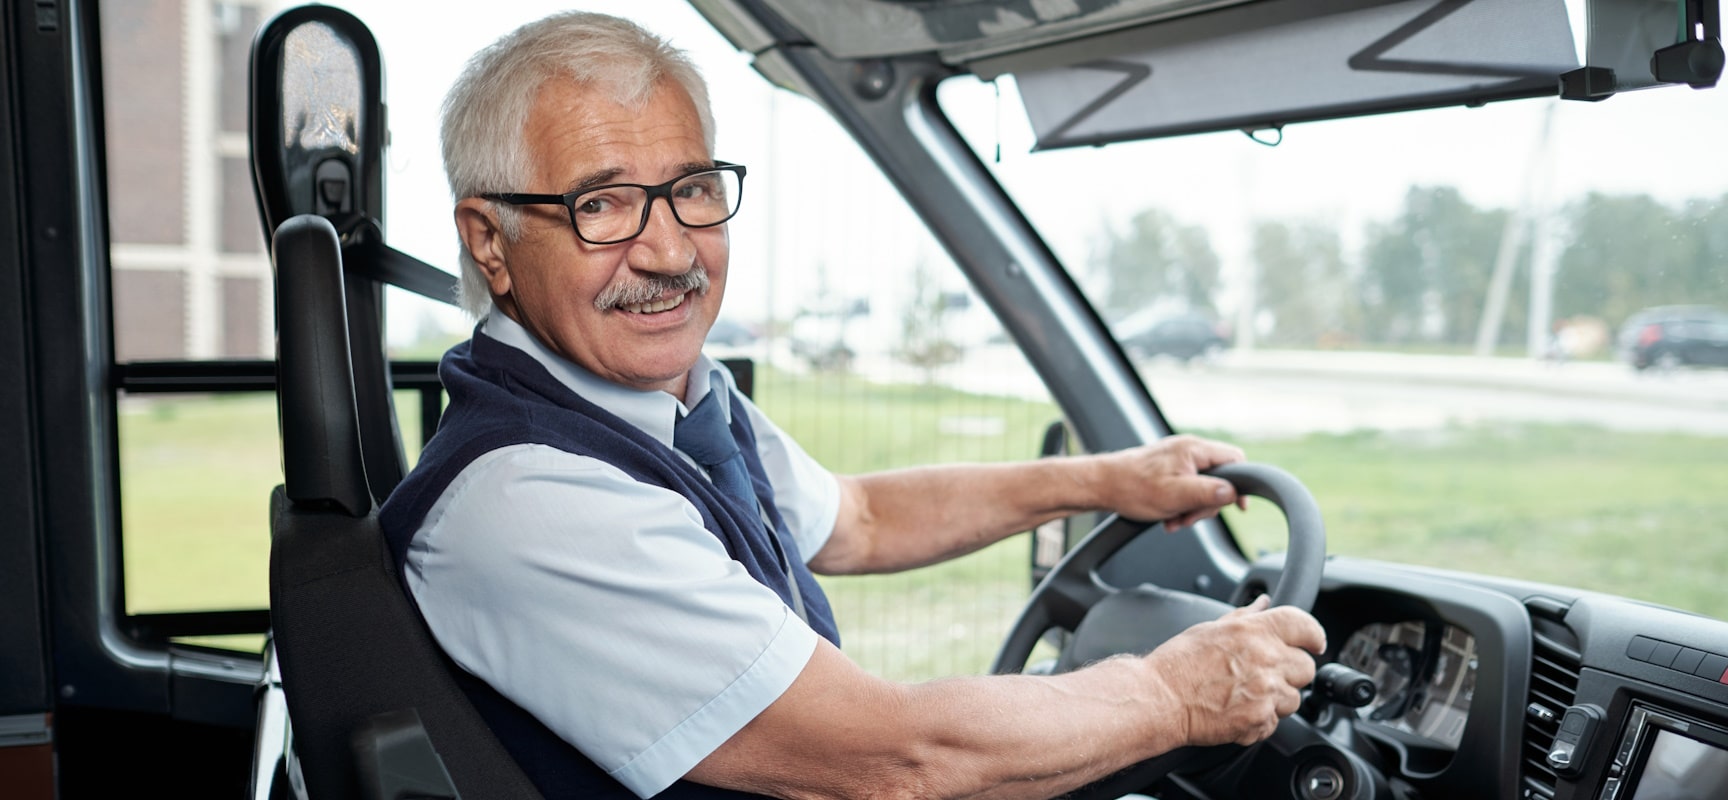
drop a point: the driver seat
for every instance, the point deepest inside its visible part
(374, 708)
(373, 704)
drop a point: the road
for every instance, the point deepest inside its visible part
(1279, 392)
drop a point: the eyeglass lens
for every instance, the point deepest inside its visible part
(616, 213)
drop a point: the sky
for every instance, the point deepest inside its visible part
(819, 221)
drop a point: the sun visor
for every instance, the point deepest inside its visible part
(1264, 65)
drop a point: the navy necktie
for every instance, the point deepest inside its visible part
(704, 436)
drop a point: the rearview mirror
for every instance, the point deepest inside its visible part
(316, 121)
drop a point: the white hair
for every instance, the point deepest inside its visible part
(487, 109)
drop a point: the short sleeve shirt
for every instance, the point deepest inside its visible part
(601, 605)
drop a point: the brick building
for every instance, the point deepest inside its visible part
(191, 278)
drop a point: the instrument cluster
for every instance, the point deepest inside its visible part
(1425, 674)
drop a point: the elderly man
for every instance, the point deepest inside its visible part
(617, 547)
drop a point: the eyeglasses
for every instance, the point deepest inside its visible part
(618, 212)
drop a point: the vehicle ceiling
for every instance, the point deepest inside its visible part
(1099, 71)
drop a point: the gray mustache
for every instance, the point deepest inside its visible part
(651, 287)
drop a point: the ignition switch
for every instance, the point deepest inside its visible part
(1320, 782)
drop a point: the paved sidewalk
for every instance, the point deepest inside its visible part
(1695, 388)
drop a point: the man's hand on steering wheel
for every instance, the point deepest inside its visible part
(1235, 677)
(1226, 675)
(1162, 480)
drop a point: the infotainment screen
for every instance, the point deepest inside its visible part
(1682, 768)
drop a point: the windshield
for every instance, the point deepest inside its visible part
(1352, 370)
(1461, 327)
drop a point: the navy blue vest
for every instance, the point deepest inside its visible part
(501, 396)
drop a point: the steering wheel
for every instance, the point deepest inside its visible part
(1107, 620)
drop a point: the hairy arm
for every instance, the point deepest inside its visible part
(900, 519)
(839, 732)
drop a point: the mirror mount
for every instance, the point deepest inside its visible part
(1694, 62)
(1683, 50)
(316, 120)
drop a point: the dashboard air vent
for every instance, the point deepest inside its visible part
(1553, 686)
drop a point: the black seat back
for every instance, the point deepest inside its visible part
(352, 648)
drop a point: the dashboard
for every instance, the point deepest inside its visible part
(1496, 688)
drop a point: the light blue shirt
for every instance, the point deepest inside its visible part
(601, 605)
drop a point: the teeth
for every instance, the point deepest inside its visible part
(659, 305)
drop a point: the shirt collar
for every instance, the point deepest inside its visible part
(652, 411)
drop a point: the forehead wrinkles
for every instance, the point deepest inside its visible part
(575, 130)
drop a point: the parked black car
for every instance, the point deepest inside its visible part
(1672, 336)
(1183, 336)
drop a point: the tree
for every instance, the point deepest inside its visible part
(1158, 258)
(1675, 255)
(1392, 287)
(924, 341)
(1304, 283)
(1425, 273)
(1706, 277)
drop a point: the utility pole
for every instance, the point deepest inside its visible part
(1532, 203)
(1544, 259)
(1249, 268)
(1500, 284)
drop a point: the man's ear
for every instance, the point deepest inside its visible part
(484, 240)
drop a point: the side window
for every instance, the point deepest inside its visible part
(192, 307)
(878, 356)
(907, 383)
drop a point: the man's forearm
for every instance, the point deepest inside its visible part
(841, 734)
(907, 518)
(901, 519)
(1037, 737)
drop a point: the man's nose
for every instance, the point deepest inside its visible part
(664, 244)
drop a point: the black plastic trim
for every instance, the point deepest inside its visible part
(24, 658)
(159, 628)
(67, 291)
(220, 377)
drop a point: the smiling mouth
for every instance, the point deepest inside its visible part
(656, 306)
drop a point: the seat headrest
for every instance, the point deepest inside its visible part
(321, 455)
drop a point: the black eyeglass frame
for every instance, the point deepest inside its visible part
(663, 190)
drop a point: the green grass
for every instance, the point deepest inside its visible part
(1635, 514)
(1627, 513)
(947, 619)
(195, 481)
